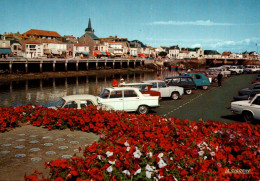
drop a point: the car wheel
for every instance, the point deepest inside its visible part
(248, 116)
(188, 91)
(143, 109)
(175, 95)
(205, 87)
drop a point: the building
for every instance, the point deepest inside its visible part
(90, 39)
(42, 34)
(211, 54)
(32, 49)
(5, 48)
(80, 50)
(16, 48)
(174, 52)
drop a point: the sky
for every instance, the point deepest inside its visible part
(222, 25)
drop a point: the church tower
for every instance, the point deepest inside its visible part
(89, 29)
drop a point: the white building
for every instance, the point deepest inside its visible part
(80, 49)
(33, 49)
(54, 47)
(174, 52)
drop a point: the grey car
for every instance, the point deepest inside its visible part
(250, 90)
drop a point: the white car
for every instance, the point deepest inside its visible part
(223, 70)
(128, 99)
(249, 109)
(175, 92)
(236, 69)
(252, 68)
(79, 101)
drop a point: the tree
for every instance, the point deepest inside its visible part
(162, 54)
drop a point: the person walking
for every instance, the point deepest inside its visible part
(220, 76)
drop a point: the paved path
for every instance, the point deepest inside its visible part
(211, 104)
(27, 148)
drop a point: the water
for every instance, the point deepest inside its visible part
(47, 91)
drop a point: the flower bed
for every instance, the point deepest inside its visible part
(144, 147)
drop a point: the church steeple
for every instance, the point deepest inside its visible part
(89, 29)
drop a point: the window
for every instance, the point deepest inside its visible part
(130, 93)
(154, 85)
(104, 94)
(32, 46)
(184, 80)
(257, 101)
(85, 103)
(71, 104)
(257, 86)
(190, 80)
(161, 84)
(175, 80)
(116, 94)
(197, 77)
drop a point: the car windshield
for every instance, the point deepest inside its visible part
(104, 94)
(60, 103)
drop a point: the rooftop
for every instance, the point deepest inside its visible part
(42, 33)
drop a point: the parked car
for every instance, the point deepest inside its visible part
(251, 68)
(78, 102)
(175, 92)
(144, 88)
(236, 70)
(247, 96)
(249, 109)
(246, 91)
(200, 80)
(128, 99)
(223, 70)
(203, 72)
(213, 74)
(182, 81)
(257, 80)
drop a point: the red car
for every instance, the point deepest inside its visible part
(144, 88)
(257, 80)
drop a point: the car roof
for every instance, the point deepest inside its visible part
(182, 76)
(121, 88)
(153, 81)
(79, 97)
(131, 84)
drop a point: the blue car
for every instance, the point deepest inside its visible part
(200, 80)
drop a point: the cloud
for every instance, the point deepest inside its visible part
(248, 44)
(197, 23)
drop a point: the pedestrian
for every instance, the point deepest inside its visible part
(114, 82)
(122, 82)
(220, 76)
(158, 77)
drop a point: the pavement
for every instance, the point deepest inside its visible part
(27, 148)
(211, 104)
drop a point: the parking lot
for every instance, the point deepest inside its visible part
(211, 104)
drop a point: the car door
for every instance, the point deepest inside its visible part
(163, 89)
(116, 100)
(131, 100)
(255, 108)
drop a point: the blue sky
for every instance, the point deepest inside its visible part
(223, 25)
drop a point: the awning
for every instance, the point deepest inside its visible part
(97, 53)
(141, 55)
(5, 50)
(108, 53)
(85, 53)
(112, 54)
(46, 51)
(78, 52)
(103, 53)
(134, 55)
